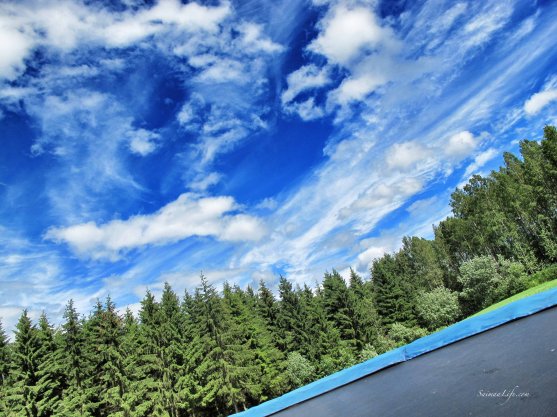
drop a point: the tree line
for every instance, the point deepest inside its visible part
(212, 353)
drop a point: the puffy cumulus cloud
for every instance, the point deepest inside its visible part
(539, 100)
(187, 216)
(143, 142)
(16, 45)
(366, 258)
(372, 57)
(346, 31)
(460, 145)
(406, 154)
(189, 17)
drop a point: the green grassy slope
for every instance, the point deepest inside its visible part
(530, 291)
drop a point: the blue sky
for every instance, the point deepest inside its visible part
(144, 142)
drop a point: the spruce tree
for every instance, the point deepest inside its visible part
(23, 392)
(143, 363)
(51, 373)
(256, 363)
(73, 364)
(339, 307)
(169, 348)
(105, 380)
(5, 364)
(291, 320)
(366, 319)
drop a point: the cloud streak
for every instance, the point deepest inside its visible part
(185, 217)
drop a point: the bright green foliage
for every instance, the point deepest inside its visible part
(368, 352)
(250, 350)
(401, 334)
(300, 371)
(327, 351)
(384, 344)
(169, 348)
(486, 281)
(546, 274)
(479, 278)
(421, 263)
(530, 291)
(438, 308)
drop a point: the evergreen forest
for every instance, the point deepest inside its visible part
(214, 352)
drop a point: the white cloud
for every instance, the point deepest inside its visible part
(481, 28)
(243, 228)
(460, 145)
(479, 161)
(406, 154)
(205, 181)
(224, 70)
(358, 87)
(255, 41)
(15, 47)
(305, 78)
(539, 100)
(143, 142)
(383, 196)
(307, 110)
(66, 25)
(185, 217)
(366, 258)
(345, 32)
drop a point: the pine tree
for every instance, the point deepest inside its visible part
(327, 352)
(366, 319)
(73, 364)
(339, 307)
(188, 385)
(291, 320)
(51, 374)
(393, 296)
(105, 380)
(266, 305)
(255, 362)
(143, 362)
(5, 364)
(169, 348)
(23, 393)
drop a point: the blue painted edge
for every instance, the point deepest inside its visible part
(463, 329)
